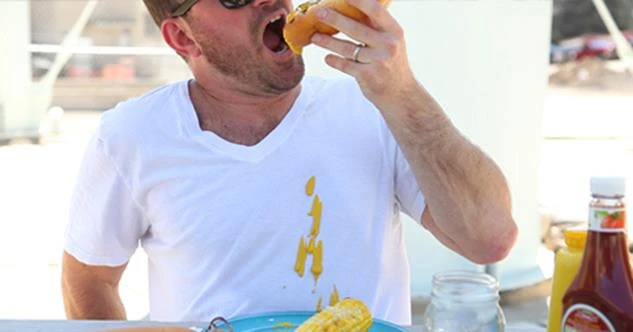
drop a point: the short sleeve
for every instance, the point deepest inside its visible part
(105, 224)
(408, 192)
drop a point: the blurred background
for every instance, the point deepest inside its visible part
(545, 87)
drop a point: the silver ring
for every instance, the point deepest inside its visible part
(357, 52)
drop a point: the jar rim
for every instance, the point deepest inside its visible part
(465, 286)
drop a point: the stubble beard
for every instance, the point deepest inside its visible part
(243, 64)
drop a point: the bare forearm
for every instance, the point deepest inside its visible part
(467, 194)
(96, 301)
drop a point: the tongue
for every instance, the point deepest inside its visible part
(272, 40)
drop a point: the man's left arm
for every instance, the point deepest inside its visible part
(468, 201)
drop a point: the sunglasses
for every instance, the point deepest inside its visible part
(184, 7)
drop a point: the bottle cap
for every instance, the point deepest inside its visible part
(608, 186)
(575, 237)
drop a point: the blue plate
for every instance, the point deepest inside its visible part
(288, 321)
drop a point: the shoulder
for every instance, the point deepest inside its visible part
(130, 117)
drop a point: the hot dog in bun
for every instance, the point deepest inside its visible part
(302, 22)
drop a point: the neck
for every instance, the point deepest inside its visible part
(239, 116)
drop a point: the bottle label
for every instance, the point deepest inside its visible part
(582, 318)
(608, 220)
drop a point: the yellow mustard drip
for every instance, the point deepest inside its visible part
(301, 257)
(311, 245)
(317, 261)
(334, 297)
(310, 186)
(315, 213)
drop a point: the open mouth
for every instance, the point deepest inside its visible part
(273, 34)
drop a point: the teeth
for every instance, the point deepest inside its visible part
(273, 20)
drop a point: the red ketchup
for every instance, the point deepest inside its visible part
(601, 296)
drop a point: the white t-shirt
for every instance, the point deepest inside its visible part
(221, 222)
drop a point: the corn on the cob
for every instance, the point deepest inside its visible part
(302, 253)
(349, 315)
(315, 213)
(310, 186)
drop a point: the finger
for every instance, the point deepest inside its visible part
(378, 14)
(345, 48)
(345, 65)
(348, 26)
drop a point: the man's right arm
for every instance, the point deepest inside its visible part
(91, 292)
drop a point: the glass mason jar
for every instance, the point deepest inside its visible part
(464, 301)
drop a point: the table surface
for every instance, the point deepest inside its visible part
(96, 325)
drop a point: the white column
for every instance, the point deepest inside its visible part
(486, 62)
(15, 65)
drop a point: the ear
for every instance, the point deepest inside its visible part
(177, 35)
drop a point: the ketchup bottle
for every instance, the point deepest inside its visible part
(601, 296)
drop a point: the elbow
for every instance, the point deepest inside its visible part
(493, 248)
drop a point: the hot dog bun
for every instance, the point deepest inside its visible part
(302, 22)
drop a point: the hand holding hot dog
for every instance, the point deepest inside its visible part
(380, 64)
(302, 23)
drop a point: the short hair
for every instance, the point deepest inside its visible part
(161, 9)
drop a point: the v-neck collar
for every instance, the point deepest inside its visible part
(254, 153)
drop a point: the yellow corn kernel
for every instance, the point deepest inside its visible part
(301, 257)
(319, 306)
(349, 315)
(315, 213)
(317, 261)
(310, 186)
(334, 297)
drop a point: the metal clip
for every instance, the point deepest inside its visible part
(214, 328)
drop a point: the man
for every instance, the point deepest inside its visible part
(222, 178)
